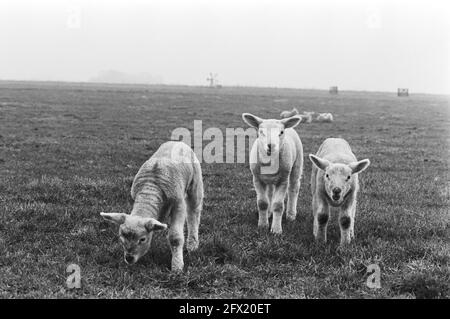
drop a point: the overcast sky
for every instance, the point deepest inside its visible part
(357, 45)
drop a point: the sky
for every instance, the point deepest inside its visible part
(354, 44)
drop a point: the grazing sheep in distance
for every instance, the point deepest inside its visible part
(286, 114)
(306, 116)
(334, 187)
(324, 118)
(308, 113)
(168, 186)
(276, 162)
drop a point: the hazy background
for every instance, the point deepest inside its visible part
(357, 45)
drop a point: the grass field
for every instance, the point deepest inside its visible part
(69, 151)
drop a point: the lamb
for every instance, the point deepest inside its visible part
(168, 186)
(308, 113)
(306, 116)
(286, 114)
(324, 118)
(334, 187)
(276, 162)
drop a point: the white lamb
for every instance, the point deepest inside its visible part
(286, 114)
(276, 162)
(324, 118)
(334, 187)
(308, 113)
(307, 117)
(169, 187)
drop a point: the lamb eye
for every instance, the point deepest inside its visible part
(348, 178)
(328, 176)
(281, 133)
(142, 239)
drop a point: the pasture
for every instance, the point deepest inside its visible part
(70, 151)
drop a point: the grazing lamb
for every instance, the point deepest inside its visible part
(286, 114)
(168, 186)
(324, 118)
(276, 162)
(308, 113)
(334, 187)
(306, 116)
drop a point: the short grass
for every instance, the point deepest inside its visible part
(69, 151)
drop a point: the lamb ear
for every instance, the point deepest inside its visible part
(292, 121)
(153, 225)
(358, 167)
(321, 163)
(252, 120)
(117, 218)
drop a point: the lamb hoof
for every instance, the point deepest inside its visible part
(177, 268)
(263, 225)
(276, 231)
(291, 217)
(192, 245)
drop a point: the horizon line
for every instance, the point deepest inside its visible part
(221, 85)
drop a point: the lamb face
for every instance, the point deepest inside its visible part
(270, 132)
(135, 234)
(338, 179)
(270, 136)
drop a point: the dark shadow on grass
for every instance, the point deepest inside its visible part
(423, 287)
(218, 250)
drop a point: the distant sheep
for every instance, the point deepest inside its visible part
(334, 187)
(307, 117)
(324, 118)
(276, 162)
(168, 186)
(286, 114)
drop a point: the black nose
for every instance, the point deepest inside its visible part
(129, 259)
(337, 190)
